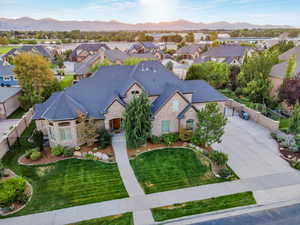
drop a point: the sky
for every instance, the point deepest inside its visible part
(275, 12)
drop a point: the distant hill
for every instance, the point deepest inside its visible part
(49, 24)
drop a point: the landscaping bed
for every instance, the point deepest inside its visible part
(174, 168)
(122, 219)
(203, 206)
(47, 157)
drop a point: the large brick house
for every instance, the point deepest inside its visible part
(104, 95)
(83, 51)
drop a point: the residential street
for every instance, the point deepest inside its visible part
(280, 216)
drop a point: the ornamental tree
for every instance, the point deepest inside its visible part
(210, 127)
(137, 123)
(290, 91)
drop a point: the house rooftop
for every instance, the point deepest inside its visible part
(6, 69)
(30, 48)
(226, 51)
(190, 49)
(7, 92)
(110, 83)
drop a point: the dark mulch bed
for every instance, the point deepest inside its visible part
(289, 155)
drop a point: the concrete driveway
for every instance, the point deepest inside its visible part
(252, 152)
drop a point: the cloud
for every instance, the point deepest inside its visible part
(159, 10)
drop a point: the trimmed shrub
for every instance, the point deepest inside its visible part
(35, 155)
(104, 138)
(170, 138)
(57, 150)
(295, 164)
(185, 135)
(219, 158)
(38, 139)
(11, 189)
(68, 152)
(156, 139)
(29, 152)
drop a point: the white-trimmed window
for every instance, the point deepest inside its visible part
(65, 134)
(175, 106)
(190, 124)
(165, 126)
(51, 133)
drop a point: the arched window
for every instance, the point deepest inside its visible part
(190, 124)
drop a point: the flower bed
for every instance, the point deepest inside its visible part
(15, 193)
(47, 157)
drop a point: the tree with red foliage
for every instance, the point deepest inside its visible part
(290, 90)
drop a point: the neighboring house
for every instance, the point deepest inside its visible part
(9, 101)
(278, 71)
(39, 49)
(179, 69)
(82, 69)
(103, 97)
(145, 48)
(231, 54)
(148, 55)
(7, 76)
(191, 52)
(114, 56)
(83, 51)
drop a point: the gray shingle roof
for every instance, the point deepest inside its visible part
(226, 51)
(7, 92)
(143, 55)
(30, 48)
(83, 67)
(190, 49)
(279, 70)
(89, 47)
(287, 55)
(115, 55)
(6, 69)
(109, 83)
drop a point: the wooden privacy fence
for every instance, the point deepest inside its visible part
(256, 116)
(15, 132)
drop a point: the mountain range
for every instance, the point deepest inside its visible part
(49, 24)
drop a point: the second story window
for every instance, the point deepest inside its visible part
(135, 92)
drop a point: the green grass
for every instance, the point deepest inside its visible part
(169, 169)
(67, 81)
(5, 49)
(123, 219)
(66, 183)
(284, 124)
(203, 206)
(17, 114)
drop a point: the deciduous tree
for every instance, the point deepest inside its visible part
(210, 127)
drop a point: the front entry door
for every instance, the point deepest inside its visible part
(116, 124)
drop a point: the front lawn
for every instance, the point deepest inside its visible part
(5, 49)
(66, 183)
(67, 81)
(172, 168)
(123, 219)
(203, 206)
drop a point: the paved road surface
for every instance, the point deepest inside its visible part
(288, 215)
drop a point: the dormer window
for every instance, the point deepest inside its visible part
(135, 92)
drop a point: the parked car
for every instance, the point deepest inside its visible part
(244, 115)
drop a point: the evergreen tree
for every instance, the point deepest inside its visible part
(137, 123)
(291, 66)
